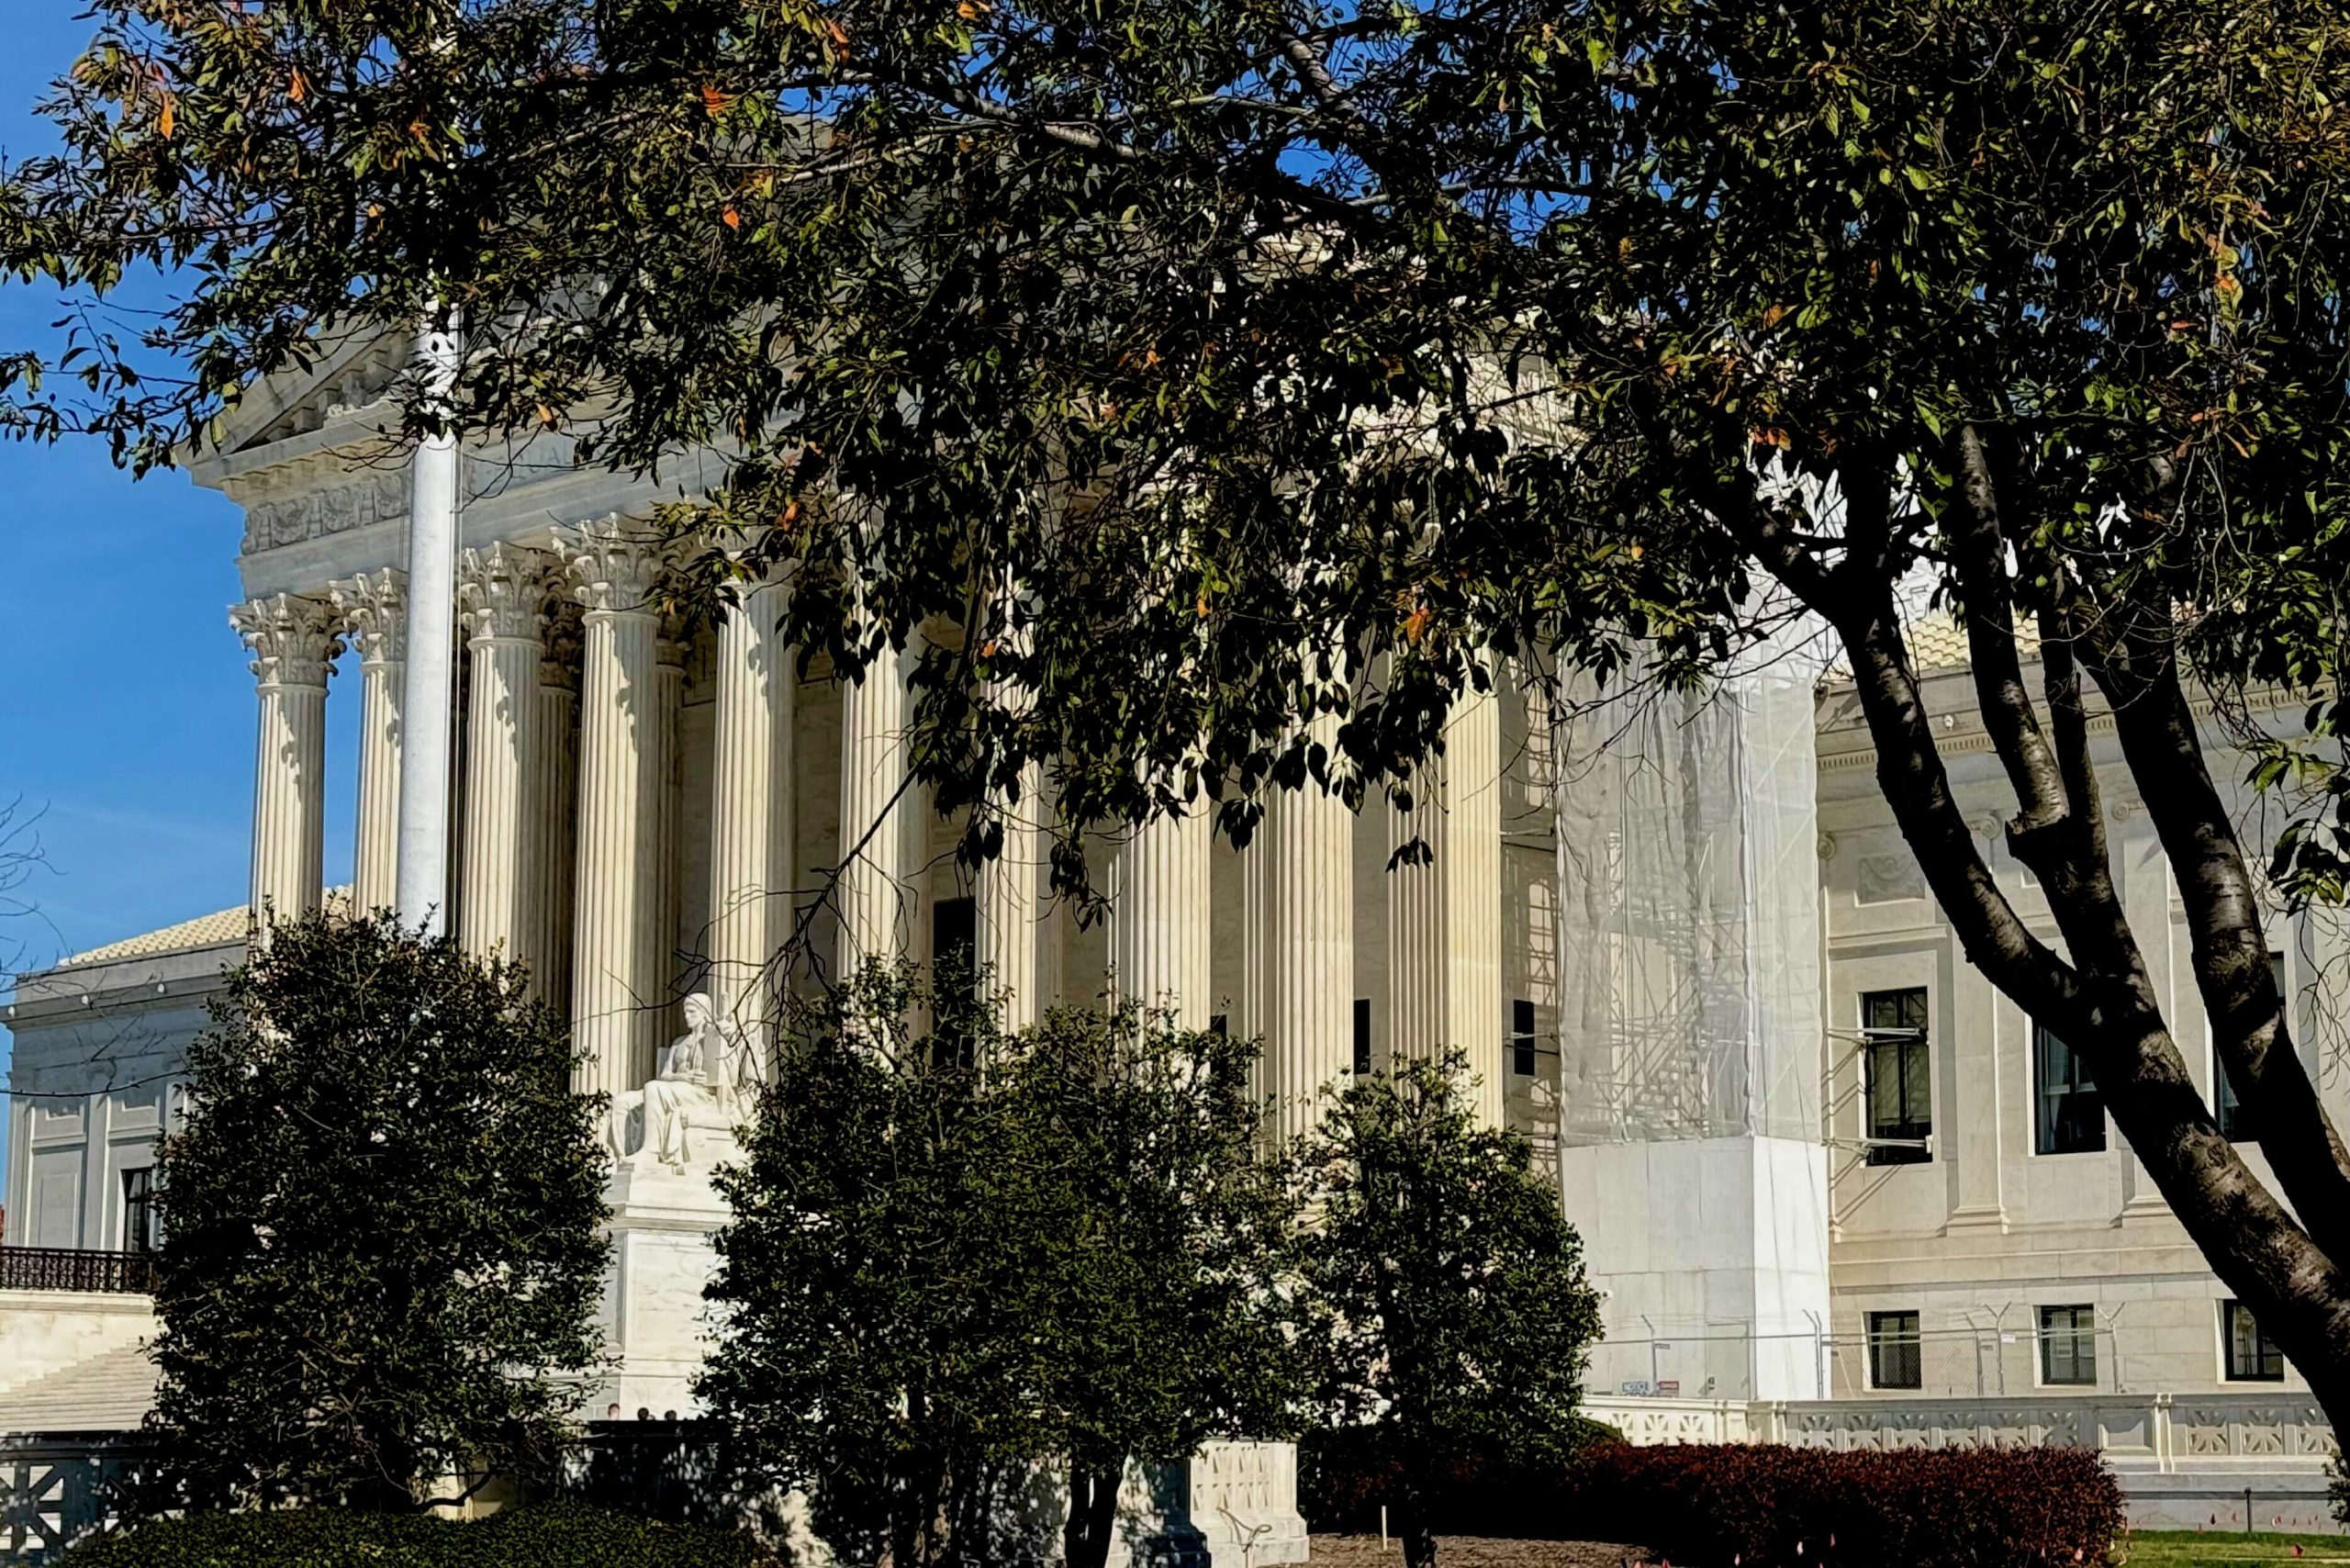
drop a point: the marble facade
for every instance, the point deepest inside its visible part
(646, 808)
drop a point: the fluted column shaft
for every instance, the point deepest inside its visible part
(751, 766)
(556, 796)
(876, 867)
(374, 616)
(1309, 949)
(1159, 912)
(664, 1019)
(1010, 906)
(1444, 960)
(503, 594)
(293, 641)
(618, 794)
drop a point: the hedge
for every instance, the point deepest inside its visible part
(1346, 1474)
(545, 1536)
(1766, 1506)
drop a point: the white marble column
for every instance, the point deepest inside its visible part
(1444, 962)
(874, 882)
(555, 816)
(375, 617)
(613, 573)
(665, 1018)
(1308, 953)
(502, 592)
(293, 643)
(750, 808)
(1160, 915)
(1012, 906)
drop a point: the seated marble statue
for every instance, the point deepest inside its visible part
(699, 1091)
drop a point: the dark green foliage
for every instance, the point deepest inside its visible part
(1443, 1307)
(956, 1259)
(1346, 1474)
(1773, 1507)
(380, 1226)
(549, 1536)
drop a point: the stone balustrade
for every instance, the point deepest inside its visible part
(2155, 1433)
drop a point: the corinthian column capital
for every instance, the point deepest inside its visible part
(373, 608)
(503, 591)
(292, 638)
(613, 566)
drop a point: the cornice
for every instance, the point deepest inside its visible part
(1964, 732)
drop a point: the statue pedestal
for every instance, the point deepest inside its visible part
(1243, 1499)
(653, 1311)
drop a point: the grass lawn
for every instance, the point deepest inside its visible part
(2192, 1549)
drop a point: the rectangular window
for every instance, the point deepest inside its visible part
(2068, 1345)
(1521, 1036)
(1898, 1084)
(2236, 1124)
(2253, 1356)
(1892, 1351)
(139, 1210)
(1363, 1034)
(2071, 1116)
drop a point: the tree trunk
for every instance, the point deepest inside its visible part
(1092, 1514)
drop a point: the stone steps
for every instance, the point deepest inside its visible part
(110, 1392)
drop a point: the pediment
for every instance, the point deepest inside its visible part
(348, 374)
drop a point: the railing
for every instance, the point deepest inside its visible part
(56, 1491)
(2163, 1433)
(75, 1269)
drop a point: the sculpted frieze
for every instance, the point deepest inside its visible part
(361, 501)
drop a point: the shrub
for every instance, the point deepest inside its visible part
(1766, 1506)
(381, 1226)
(1345, 1474)
(550, 1536)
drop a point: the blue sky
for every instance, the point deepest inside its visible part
(128, 719)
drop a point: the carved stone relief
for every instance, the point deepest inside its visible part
(364, 499)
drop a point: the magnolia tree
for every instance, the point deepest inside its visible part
(381, 1248)
(961, 1264)
(1441, 1305)
(1217, 367)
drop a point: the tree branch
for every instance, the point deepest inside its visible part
(1989, 611)
(2227, 934)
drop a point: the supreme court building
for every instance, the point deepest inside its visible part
(1837, 1189)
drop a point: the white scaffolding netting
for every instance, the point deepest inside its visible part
(1689, 908)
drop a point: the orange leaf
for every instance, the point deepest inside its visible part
(1415, 625)
(713, 101)
(165, 121)
(837, 34)
(1203, 606)
(732, 218)
(298, 86)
